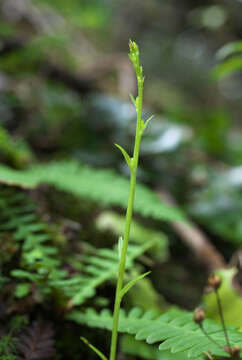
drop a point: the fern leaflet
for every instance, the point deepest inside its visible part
(174, 330)
(102, 186)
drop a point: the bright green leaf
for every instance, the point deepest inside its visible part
(144, 124)
(133, 100)
(130, 284)
(227, 67)
(126, 156)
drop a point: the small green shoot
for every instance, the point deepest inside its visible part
(98, 352)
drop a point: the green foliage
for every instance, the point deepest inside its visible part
(231, 59)
(146, 351)
(8, 347)
(9, 342)
(29, 56)
(102, 186)
(96, 270)
(38, 260)
(175, 330)
(16, 152)
(85, 14)
(41, 261)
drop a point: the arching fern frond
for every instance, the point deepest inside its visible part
(18, 216)
(174, 330)
(97, 269)
(102, 186)
(39, 263)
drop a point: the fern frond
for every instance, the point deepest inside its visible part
(37, 342)
(102, 186)
(8, 347)
(96, 270)
(18, 215)
(146, 351)
(174, 330)
(39, 263)
(19, 219)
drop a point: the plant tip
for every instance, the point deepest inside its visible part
(199, 315)
(133, 47)
(214, 281)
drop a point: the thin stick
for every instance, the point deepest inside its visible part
(209, 337)
(220, 310)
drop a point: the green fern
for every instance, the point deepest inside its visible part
(8, 347)
(40, 261)
(18, 218)
(147, 351)
(174, 330)
(102, 186)
(96, 270)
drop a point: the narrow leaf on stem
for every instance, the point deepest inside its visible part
(126, 155)
(145, 123)
(98, 352)
(131, 283)
(133, 100)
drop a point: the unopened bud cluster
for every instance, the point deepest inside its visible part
(134, 57)
(214, 281)
(199, 315)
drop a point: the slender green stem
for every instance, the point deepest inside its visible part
(129, 212)
(220, 310)
(209, 337)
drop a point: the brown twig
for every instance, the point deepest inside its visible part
(196, 240)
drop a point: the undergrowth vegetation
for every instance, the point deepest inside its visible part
(48, 262)
(78, 220)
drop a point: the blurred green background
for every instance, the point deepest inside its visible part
(64, 84)
(65, 80)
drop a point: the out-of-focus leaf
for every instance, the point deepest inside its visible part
(227, 67)
(229, 49)
(22, 290)
(111, 221)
